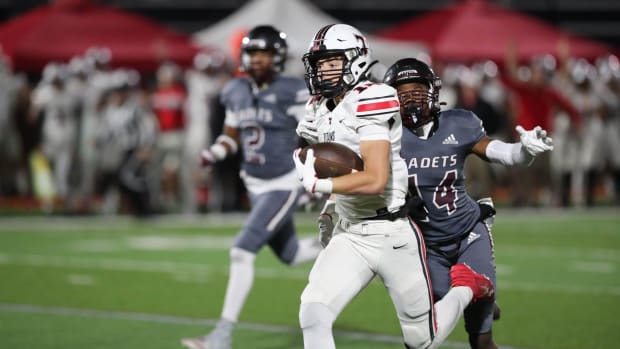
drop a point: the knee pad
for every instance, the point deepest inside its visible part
(315, 315)
(415, 339)
(241, 256)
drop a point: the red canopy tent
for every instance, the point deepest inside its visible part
(67, 28)
(473, 30)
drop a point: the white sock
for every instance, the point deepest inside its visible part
(308, 249)
(239, 282)
(316, 323)
(448, 311)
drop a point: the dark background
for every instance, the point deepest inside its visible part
(596, 19)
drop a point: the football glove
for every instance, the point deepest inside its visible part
(307, 174)
(535, 142)
(326, 222)
(326, 228)
(487, 211)
(416, 208)
(207, 159)
(306, 129)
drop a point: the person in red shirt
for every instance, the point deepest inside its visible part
(168, 103)
(535, 103)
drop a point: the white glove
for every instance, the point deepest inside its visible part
(306, 129)
(535, 142)
(307, 174)
(207, 159)
(326, 222)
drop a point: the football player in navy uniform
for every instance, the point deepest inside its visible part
(373, 236)
(434, 145)
(262, 112)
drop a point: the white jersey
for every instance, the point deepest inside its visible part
(368, 112)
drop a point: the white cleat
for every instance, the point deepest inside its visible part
(214, 340)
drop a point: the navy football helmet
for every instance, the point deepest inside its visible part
(417, 107)
(264, 37)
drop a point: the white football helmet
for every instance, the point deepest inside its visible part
(337, 40)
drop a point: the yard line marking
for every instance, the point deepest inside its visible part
(593, 253)
(177, 320)
(593, 267)
(154, 243)
(184, 272)
(558, 288)
(81, 280)
(145, 266)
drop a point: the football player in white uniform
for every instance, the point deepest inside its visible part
(372, 236)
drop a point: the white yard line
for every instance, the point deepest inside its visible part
(177, 320)
(186, 272)
(143, 266)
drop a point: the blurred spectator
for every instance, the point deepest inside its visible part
(493, 91)
(9, 141)
(607, 86)
(168, 103)
(574, 79)
(100, 80)
(52, 103)
(125, 138)
(534, 103)
(209, 74)
(479, 179)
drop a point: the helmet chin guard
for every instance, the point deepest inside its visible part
(337, 40)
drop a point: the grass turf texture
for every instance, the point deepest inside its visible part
(85, 279)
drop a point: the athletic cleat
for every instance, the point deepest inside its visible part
(207, 342)
(462, 275)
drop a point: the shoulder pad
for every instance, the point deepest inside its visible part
(376, 99)
(239, 82)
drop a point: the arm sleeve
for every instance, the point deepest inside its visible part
(508, 153)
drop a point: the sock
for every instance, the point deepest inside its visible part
(448, 311)
(316, 323)
(307, 250)
(239, 282)
(223, 327)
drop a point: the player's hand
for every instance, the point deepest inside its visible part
(487, 211)
(416, 208)
(326, 228)
(326, 222)
(535, 142)
(306, 129)
(305, 171)
(207, 159)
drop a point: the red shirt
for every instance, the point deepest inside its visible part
(168, 106)
(536, 105)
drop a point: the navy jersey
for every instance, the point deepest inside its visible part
(266, 119)
(435, 168)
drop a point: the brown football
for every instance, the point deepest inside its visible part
(333, 159)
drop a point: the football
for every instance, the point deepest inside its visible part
(333, 159)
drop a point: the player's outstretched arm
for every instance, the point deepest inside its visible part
(532, 143)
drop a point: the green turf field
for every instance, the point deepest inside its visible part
(118, 283)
